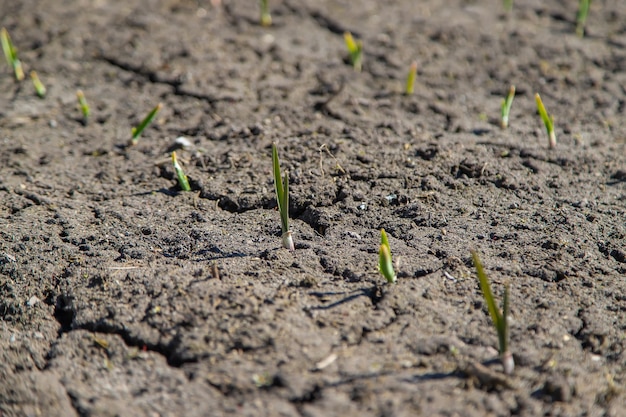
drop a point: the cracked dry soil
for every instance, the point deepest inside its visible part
(121, 296)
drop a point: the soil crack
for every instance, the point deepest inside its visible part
(65, 315)
(176, 83)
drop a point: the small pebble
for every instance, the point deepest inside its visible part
(391, 197)
(6, 257)
(353, 235)
(32, 301)
(268, 38)
(183, 142)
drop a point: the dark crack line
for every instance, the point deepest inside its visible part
(139, 70)
(365, 292)
(320, 18)
(209, 99)
(74, 402)
(175, 83)
(330, 24)
(130, 340)
(65, 316)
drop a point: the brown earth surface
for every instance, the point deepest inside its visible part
(121, 295)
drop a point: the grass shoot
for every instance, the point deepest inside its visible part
(505, 108)
(508, 5)
(39, 87)
(84, 107)
(410, 79)
(10, 53)
(385, 264)
(355, 51)
(282, 197)
(136, 131)
(498, 318)
(180, 174)
(581, 17)
(548, 121)
(266, 17)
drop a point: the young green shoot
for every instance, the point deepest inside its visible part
(180, 174)
(136, 131)
(498, 318)
(10, 53)
(355, 51)
(84, 107)
(581, 17)
(266, 17)
(505, 108)
(508, 5)
(410, 79)
(39, 87)
(282, 197)
(548, 121)
(385, 265)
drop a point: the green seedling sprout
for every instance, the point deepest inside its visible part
(39, 87)
(508, 5)
(548, 121)
(282, 197)
(410, 79)
(136, 131)
(84, 107)
(266, 17)
(505, 108)
(498, 318)
(180, 174)
(385, 265)
(10, 53)
(355, 51)
(581, 17)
